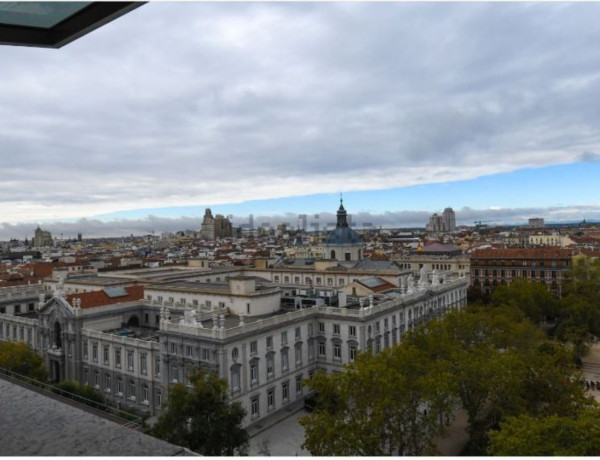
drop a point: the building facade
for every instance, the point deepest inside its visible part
(135, 347)
(215, 227)
(42, 238)
(494, 267)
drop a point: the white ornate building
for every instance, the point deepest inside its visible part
(132, 346)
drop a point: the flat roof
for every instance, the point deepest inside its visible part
(38, 425)
(55, 24)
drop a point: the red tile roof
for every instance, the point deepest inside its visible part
(100, 298)
(523, 253)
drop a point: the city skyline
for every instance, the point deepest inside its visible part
(271, 109)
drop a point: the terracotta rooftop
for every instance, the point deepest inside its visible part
(101, 298)
(522, 253)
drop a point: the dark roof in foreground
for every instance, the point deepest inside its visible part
(37, 425)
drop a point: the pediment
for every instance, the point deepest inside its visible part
(57, 307)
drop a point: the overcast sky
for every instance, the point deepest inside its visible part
(180, 105)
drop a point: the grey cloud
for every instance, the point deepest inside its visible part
(465, 216)
(172, 98)
(589, 157)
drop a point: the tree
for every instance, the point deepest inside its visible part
(202, 418)
(20, 358)
(381, 405)
(534, 299)
(552, 435)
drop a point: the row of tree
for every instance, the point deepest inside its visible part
(513, 378)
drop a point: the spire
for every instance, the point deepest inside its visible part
(341, 214)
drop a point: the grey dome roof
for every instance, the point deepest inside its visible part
(342, 236)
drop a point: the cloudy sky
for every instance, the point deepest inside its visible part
(275, 108)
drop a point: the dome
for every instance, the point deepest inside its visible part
(342, 234)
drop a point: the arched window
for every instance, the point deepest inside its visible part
(57, 335)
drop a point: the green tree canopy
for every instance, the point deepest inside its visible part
(20, 358)
(552, 435)
(381, 405)
(534, 299)
(202, 418)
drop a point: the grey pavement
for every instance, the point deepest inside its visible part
(282, 439)
(33, 424)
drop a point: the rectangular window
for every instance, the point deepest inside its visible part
(271, 399)
(353, 353)
(143, 364)
(95, 353)
(107, 383)
(270, 366)
(311, 351)
(298, 354)
(254, 407)
(284, 338)
(336, 329)
(130, 361)
(299, 384)
(31, 307)
(235, 379)
(132, 390)
(97, 379)
(298, 333)
(105, 356)
(206, 354)
(285, 391)
(322, 349)
(157, 366)
(337, 352)
(118, 358)
(269, 343)
(120, 386)
(159, 398)
(85, 350)
(254, 373)
(284, 360)
(208, 304)
(188, 350)
(17, 309)
(195, 302)
(145, 394)
(321, 327)
(253, 347)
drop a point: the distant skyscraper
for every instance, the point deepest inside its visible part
(42, 238)
(536, 222)
(449, 219)
(444, 223)
(215, 227)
